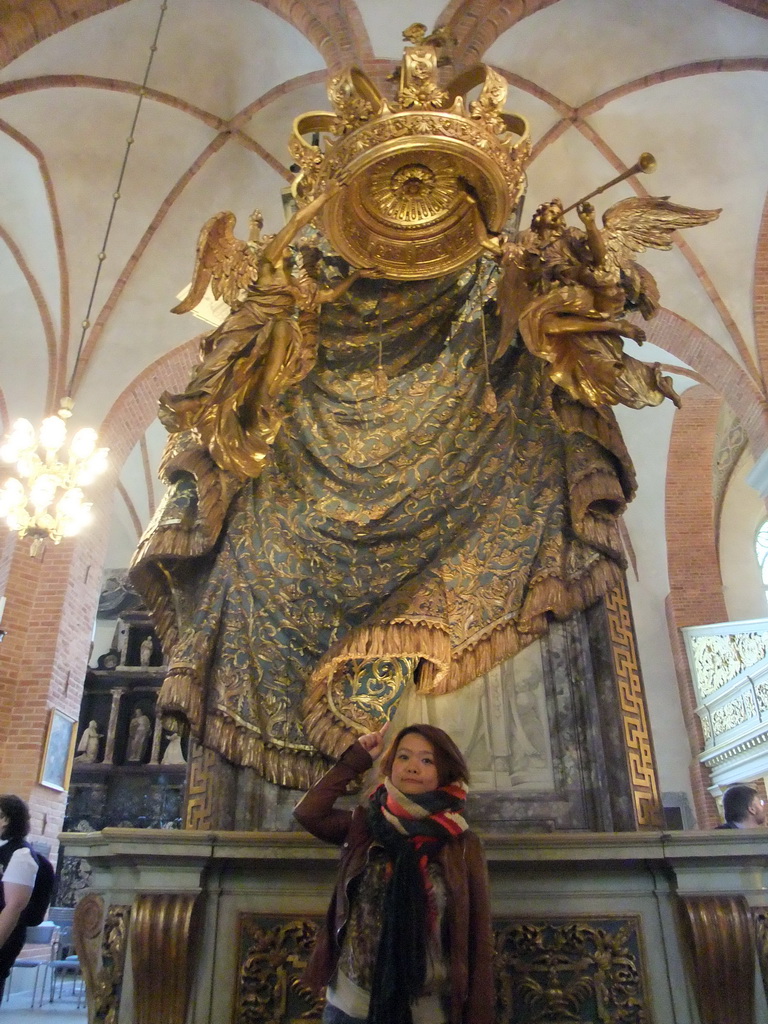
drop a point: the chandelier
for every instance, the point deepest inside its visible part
(45, 500)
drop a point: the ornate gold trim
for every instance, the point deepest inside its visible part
(578, 968)
(163, 952)
(86, 935)
(760, 920)
(410, 163)
(634, 715)
(272, 953)
(718, 932)
(200, 796)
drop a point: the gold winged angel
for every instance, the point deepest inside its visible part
(567, 292)
(260, 349)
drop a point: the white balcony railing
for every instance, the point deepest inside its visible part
(729, 667)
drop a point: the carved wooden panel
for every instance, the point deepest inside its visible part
(273, 952)
(576, 969)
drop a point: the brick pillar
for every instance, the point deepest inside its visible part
(51, 605)
(49, 613)
(695, 586)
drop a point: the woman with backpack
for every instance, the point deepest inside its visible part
(18, 871)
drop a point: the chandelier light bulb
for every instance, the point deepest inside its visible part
(53, 433)
(23, 435)
(84, 443)
(91, 468)
(18, 520)
(73, 513)
(12, 495)
(43, 491)
(28, 465)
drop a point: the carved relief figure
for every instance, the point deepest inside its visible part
(173, 753)
(138, 735)
(88, 744)
(145, 651)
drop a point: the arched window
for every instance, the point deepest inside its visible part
(761, 548)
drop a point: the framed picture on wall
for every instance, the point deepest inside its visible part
(59, 751)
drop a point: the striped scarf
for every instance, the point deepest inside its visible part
(412, 830)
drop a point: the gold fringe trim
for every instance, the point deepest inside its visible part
(404, 639)
(163, 543)
(442, 669)
(280, 765)
(181, 696)
(602, 427)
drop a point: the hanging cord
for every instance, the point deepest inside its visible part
(488, 401)
(380, 379)
(66, 402)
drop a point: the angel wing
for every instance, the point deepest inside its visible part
(640, 289)
(636, 224)
(228, 264)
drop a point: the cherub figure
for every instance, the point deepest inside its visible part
(567, 292)
(259, 350)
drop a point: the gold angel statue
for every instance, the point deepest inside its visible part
(567, 291)
(265, 345)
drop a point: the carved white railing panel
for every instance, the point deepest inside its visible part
(729, 668)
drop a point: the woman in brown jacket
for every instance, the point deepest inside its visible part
(407, 938)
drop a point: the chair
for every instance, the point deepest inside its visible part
(63, 917)
(59, 969)
(61, 965)
(41, 934)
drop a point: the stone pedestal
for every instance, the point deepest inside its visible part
(610, 926)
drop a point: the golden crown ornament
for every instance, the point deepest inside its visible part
(409, 164)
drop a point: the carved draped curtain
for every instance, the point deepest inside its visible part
(410, 524)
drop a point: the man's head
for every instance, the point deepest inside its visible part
(743, 806)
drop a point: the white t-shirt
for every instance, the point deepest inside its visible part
(22, 867)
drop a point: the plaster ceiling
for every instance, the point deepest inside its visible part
(599, 80)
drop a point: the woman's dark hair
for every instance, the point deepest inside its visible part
(449, 760)
(17, 813)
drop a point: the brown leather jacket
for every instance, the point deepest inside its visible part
(468, 913)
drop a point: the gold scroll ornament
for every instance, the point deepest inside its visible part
(410, 163)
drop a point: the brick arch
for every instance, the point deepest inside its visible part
(761, 293)
(477, 24)
(31, 22)
(695, 584)
(134, 409)
(756, 7)
(719, 369)
(334, 27)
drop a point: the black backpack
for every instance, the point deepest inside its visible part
(37, 908)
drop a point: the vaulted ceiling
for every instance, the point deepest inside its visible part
(599, 81)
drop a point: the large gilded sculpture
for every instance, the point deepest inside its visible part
(356, 501)
(568, 292)
(247, 363)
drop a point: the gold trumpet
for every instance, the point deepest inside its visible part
(646, 164)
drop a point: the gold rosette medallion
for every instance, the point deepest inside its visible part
(409, 165)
